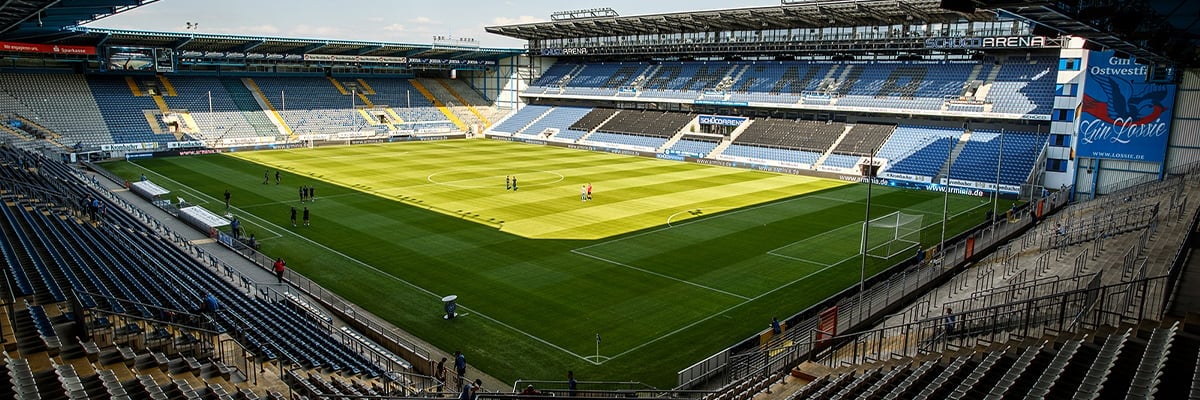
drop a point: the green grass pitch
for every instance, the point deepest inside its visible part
(669, 263)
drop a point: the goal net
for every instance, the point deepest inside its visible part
(892, 234)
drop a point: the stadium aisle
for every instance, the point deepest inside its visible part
(262, 273)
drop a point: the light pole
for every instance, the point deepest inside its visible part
(862, 279)
(999, 160)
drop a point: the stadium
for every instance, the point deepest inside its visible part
(817, 199)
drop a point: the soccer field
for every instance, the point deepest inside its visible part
(670, 262)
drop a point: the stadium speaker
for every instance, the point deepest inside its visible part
(1042, 30)
(963, 6)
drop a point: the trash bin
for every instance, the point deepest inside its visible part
(450, 306)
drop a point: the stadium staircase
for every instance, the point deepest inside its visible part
(133, 86)
(458, 123)
(272, 114)
(944, 171)
(982, 92)
(454, 103)
(475, 99)
(250, 108)
(675, 138)
(167, 88)
(394, 116)
(338, 85)
(598, 127)
(87, 314)
(462, 100)
(828, 152)
(362, 84)
(725, 143)
(374, 121)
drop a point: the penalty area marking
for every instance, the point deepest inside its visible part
(697, 212)
(431, 179)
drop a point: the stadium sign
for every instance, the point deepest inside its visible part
(129, 146)
(441, 61)
(46, 48)
(355, 59)
(569, 51)
(1123, 117)
(721, 120)
(185, 144)
(1003, 42)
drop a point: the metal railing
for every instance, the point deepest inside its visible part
(750, 358)
(348, 311)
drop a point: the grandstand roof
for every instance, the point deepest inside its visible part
(814, 14)
(1152, 30)
(41, 16)
(221, 43)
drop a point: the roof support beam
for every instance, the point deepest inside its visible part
(181, 42)
(249, 46)
(31, 15)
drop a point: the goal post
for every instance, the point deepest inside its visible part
(893, 234)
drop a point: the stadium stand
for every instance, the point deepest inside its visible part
(123, 112)
(659, 124)
(228, 118)
(771, 153)
(1023, 86)
(918, 151)
(694, 145)
(812, 136)
(593, 119)
(417, 112)
(987, 151)
(521, 119)
(61, 103)
(864, 138)
(132, 314)
(558, 118)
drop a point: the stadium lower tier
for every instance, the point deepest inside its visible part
(925, 154)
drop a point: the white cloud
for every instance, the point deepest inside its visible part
(423, 20)
(394, 28)
(524, 19)
(375, 19)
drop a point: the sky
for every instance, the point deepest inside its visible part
(401, 21)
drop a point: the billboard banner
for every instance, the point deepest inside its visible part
(1122, 116)
(46, 48)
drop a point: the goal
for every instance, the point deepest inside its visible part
(892, 234)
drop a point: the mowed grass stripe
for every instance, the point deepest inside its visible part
(528, 287)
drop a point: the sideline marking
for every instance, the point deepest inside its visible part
(265, 222)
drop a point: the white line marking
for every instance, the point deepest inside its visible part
(401, 280)
(658, 274)
(688, 326)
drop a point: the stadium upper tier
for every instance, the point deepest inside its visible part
(95, 110)
(1017, 86)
